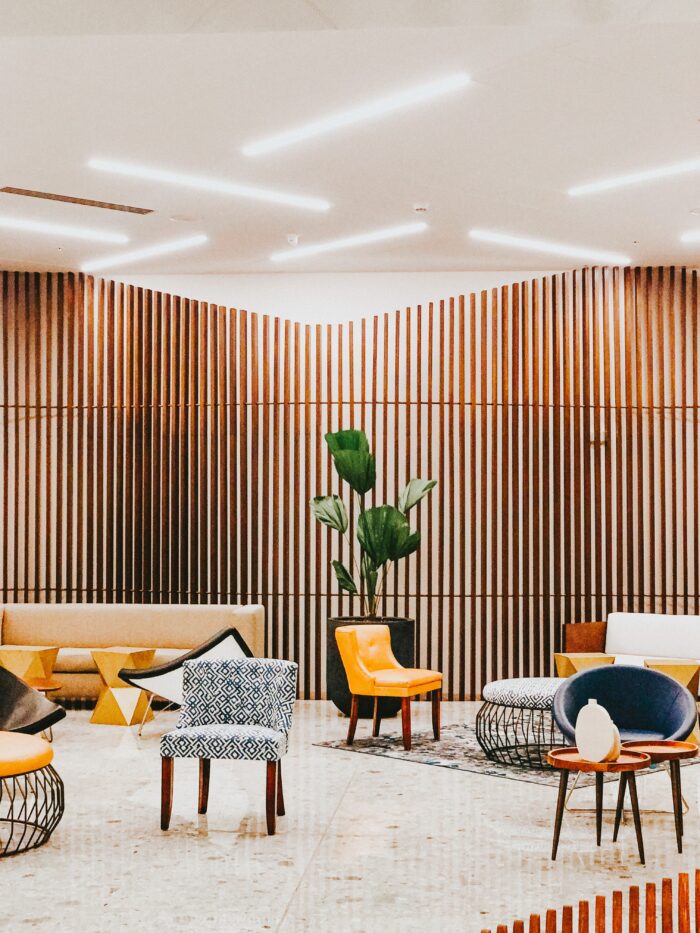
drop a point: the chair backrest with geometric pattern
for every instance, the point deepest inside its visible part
(241, 691)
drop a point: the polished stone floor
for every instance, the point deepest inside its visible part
(368, 844)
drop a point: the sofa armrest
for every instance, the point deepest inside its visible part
(584, 636)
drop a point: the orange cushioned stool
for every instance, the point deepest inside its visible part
(372, 670)
(31, 793)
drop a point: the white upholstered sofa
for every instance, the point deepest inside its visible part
(77, 628)
(633, 637)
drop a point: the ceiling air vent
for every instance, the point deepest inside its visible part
(85, 202)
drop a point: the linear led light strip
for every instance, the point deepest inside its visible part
(62, 230)
(635, 178)
(547, 246)
(375, 236)
(159, 249)
(209, 184)
(691, 236)
(368, 111)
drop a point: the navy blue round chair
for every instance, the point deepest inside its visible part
(643, 704)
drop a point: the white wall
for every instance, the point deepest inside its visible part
(327, 297)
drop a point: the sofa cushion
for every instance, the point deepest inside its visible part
(653, 635)
(79, 660)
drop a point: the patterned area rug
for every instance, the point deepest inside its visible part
(459, 750)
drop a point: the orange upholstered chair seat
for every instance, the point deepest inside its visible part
(21, 754)
(406, 681)
(372, 670)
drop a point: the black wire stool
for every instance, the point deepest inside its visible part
(517, 735)
(31, 807)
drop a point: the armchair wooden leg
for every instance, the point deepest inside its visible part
(166, 792)
(376, 718)
(354, 710)
(406, 722)
(437, 697)
(204, 769)
(271, 797)
(280, 794)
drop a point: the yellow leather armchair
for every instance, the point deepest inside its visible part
(372, 670)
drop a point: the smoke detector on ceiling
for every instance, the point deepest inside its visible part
(293, 239)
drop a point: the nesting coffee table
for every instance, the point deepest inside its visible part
(628, 762)
(660, 752)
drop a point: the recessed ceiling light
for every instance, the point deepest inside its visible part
(160, 249)
(375, 236)
(64, 230)
(690, 236)
(635, 178)
(546, 246)
(368, 111)
(209, 184)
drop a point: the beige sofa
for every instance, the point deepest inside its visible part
(76, 628)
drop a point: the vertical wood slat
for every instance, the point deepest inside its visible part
(156, 449)
(683, 905)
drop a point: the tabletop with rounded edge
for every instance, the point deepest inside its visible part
(664, 749)
(569, 758)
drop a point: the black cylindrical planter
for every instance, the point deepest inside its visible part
(403, 644)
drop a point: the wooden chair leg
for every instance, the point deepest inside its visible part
(204, 769)
(166, 792)
(376, 719)
(437, 697)
(271, 797)
(280, 794)
(354, 710)
(406, 722)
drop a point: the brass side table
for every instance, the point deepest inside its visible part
(571, 662)
(119, 704)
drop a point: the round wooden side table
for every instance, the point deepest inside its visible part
(661, 752)
(569, 759)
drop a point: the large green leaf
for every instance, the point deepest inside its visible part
(414, 492)
(406, 542)
(330, 510)
(345, 581)
(356, 467)
(384, 534)
(347, 440)
(352, 459)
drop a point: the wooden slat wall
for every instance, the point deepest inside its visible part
(665, 907)
(161, 449)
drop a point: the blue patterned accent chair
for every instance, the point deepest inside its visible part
(234, 708)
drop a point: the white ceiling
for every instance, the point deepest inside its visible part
(562, 93)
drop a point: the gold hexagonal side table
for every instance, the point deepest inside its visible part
(572, 662)
(120, 704)
(30, 662)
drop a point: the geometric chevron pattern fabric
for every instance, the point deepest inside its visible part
(234, 708)
(250, 743)
(523, 692)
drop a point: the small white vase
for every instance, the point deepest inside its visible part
(597, 736)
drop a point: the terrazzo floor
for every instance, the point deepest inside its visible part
(368, 844)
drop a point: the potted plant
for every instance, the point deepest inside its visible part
(382, 537)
